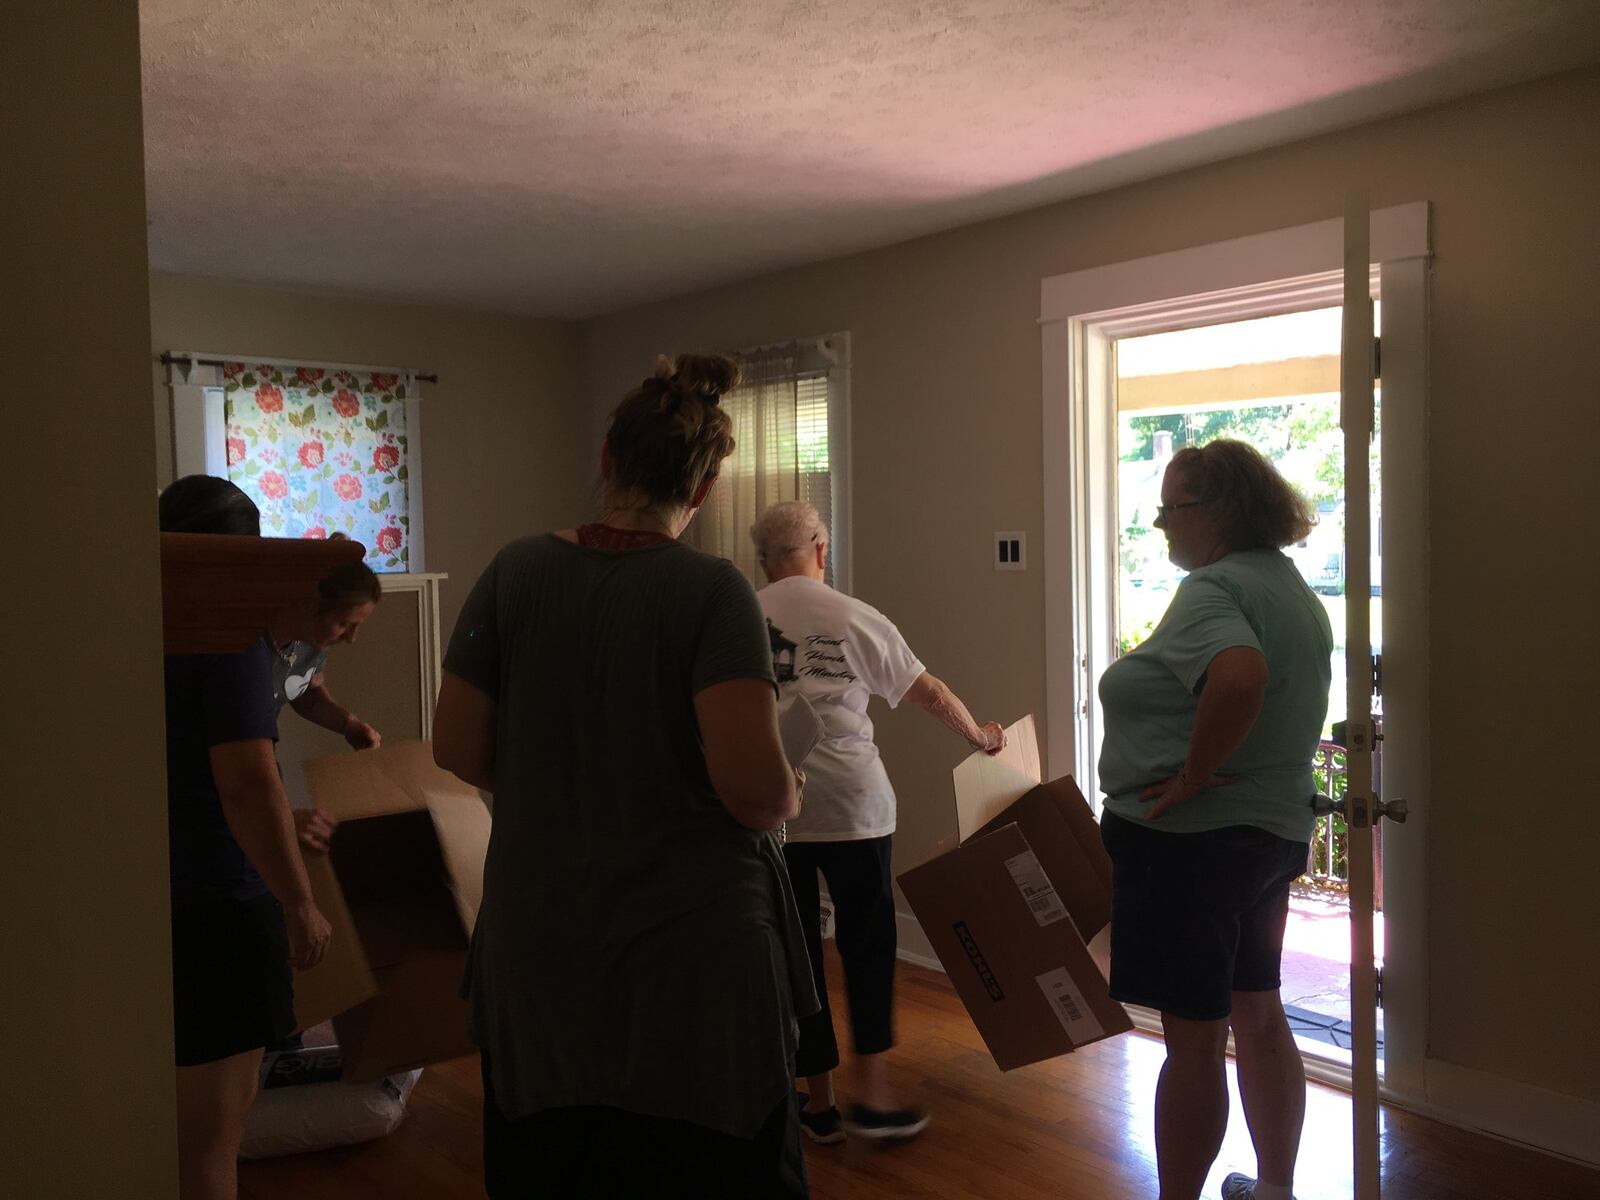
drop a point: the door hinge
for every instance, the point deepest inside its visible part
(1377, 358)
(1357, 735)
(1378, 977)
(1377, 674)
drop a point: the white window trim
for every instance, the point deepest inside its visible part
(1094, 611)
(430, 646)
(1079, 314)
(1400, 232)
(200, 427)
(837, 348)
(834, 350)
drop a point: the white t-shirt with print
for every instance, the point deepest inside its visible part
(838, 653)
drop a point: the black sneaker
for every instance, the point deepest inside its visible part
(885, 1125)
(822, 1127)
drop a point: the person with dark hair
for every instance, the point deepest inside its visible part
(1211, 725)
(207, 504)
(301, 639)
(242, 910)
(638, 965)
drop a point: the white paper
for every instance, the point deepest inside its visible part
(986, 785)
(800, 730)
(1034, 884)
(1071, 1009)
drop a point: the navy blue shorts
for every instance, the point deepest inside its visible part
(1196, 917)
(232, 988)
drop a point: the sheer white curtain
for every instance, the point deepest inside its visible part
(781, 423)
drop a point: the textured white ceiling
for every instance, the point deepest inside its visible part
(572, 157)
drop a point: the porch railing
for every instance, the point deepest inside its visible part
(1327, 863)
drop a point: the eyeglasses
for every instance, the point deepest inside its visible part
(1163, 509)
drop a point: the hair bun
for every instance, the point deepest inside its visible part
(709, 376)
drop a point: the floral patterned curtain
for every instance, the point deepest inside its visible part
(321, 451)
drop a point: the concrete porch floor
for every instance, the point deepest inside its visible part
(1316, 973)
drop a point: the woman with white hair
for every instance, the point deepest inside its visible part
(838, 652)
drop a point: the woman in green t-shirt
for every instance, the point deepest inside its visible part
(1211, 726)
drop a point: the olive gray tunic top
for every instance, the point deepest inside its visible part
(637, 947)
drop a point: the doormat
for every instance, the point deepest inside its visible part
(1322, 1027)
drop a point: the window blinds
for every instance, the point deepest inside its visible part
(780, 413)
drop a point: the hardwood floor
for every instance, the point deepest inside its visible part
(1078, 1126)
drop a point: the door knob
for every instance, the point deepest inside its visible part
(1394, 809)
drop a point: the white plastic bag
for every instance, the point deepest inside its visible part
(316, 1116)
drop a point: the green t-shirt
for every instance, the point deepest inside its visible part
(1149, 698)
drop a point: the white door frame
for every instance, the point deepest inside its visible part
(1356, 413)
(1079, 313)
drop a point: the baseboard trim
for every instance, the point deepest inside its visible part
(913, 944)
(1550, 1122)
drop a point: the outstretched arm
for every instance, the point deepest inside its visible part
(934, 697)
(317, 705)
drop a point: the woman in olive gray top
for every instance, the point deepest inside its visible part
(637, 968)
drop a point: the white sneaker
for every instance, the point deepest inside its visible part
(1238, 1186)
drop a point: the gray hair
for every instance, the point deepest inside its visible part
(787, 528)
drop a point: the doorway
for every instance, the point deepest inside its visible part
(1083, 315)
(1273, 382)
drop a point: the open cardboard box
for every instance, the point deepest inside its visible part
(1010, 910)
(401, 885)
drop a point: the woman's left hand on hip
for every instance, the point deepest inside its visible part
(1173, 791)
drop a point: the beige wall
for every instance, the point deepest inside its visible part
(946, 428)
(946, 394)
(498, 429)
(86, 1093)
(376, 678)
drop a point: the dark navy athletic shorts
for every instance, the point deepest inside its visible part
(232, 988)
(1196, 917)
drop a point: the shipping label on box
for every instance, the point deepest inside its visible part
(1009, 911)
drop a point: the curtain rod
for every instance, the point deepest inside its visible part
(824, 346)
(170, 360)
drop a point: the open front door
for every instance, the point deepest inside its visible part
(1362, 807)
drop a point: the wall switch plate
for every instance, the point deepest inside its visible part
(1011, 551)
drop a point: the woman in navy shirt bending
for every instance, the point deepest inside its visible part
(242, 911)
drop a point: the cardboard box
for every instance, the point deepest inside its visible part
(1011, 909)
(219, 591)
(401, 885)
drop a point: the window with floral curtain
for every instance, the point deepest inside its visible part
(789, 424)
(323, 450)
